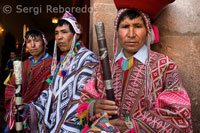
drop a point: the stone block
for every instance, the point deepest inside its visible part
(105, 13)
(180, 15)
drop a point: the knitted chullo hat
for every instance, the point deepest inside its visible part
(72, 20)
(33, 33)
(147, 9)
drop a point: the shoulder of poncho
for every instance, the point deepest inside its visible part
(26, 61)
(157, 58)
(84, 50)
(50, 58)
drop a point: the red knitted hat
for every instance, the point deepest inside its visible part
(151, 7)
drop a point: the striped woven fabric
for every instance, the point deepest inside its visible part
(33, 83)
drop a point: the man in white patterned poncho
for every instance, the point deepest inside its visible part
(55, 109)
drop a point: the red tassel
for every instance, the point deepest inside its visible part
(85, 129)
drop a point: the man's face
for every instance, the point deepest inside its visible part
(132, 35)
(64, 38)
(35, 46)
(12, 55)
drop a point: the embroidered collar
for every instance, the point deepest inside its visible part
(141, 55)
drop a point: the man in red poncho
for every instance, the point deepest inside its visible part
(35, 72)
(149, 94)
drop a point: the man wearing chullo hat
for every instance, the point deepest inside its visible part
(35, 71)
(149, 94)
(55, 109)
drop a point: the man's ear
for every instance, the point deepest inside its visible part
(78, 35)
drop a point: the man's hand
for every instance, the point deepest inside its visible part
(105, 106)
(22, 107)
(120, 124)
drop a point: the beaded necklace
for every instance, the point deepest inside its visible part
(65, 62)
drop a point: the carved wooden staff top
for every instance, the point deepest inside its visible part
(18, 94)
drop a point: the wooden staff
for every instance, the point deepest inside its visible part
(18, 95)
(103, 53)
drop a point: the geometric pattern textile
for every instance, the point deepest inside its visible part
(56, 107)
(165, 107)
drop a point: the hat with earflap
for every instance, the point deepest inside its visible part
(148, 9)
(72, 20)
(33, 33)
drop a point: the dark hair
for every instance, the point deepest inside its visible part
(61, 22)
(131, 14)
(34, 33)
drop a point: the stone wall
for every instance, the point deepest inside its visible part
(104, 11)
(179, 31)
